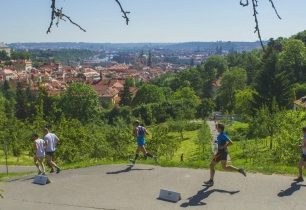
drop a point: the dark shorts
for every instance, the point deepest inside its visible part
(221, 155)
(51, 154)
(304, 157)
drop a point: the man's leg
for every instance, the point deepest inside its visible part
(37, 165)
(48, 159)
(227, 167)
(301, 166)
(148, 154)
(212, 166)
(136, 155)
(52, 163)
(41, 163)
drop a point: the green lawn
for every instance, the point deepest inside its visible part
(24, 160)
(188, 147)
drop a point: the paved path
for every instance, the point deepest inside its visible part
(17, 169)
(124, 188)
(212, 126)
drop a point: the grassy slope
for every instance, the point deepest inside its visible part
(188, 148)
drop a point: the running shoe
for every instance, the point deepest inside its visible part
(299, 179)
(209, 182)
(132, 161)
(242, 171)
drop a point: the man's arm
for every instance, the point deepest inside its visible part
(34, 149)
(56, 139)
(46, 142)
(228, 143)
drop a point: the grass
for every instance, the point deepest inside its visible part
(23, 160)
(188, 147)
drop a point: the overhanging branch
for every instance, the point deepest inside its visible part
(58, 15)
(245, 3)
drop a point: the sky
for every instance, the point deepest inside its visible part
(151, 21)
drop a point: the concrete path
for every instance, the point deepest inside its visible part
(17, 169)
(123, 187)
(212, 126)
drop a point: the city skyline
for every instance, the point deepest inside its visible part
(153, 22)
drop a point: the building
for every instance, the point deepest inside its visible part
(300, 104)
(4, 47)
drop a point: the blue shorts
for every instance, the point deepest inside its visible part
(141, 141)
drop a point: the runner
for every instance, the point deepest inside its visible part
(302, 162)
(51, 141)
(140, 132)
(39, 154)
(222, 154)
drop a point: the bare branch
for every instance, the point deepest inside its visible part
(245, 3)
(276, 12)
(257, 30)
(52, 15)
(59, 15)
(125, 13)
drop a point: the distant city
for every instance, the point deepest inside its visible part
(105, 66)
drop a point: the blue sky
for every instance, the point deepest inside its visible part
(151, 20)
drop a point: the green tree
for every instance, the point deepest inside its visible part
(244, 100)
(292, 60)
(271, 83)
(216, 65)
(125, 95)
(204, 142)
(206, 108)
(4, 56)
(301, 36)
(81, 102)
(299, 90)
(186, 94)
(233, 80)
(21, 102)
(147, 94)
(20, 55)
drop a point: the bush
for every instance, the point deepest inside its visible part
(238, 131)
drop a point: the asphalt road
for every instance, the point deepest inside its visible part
(121, 187)
(18, 169)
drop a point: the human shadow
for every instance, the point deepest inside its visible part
(197, 200)
(130, 168)
(21, 179)
(295, 186)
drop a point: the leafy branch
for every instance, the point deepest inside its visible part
(58, 15)
(254, 5)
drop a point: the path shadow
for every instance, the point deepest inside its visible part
(21, 179)
(130, 168)
(197, 200)
(295, 186)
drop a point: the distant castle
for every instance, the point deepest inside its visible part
(4, 47)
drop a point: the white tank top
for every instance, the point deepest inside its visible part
(40, 147)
